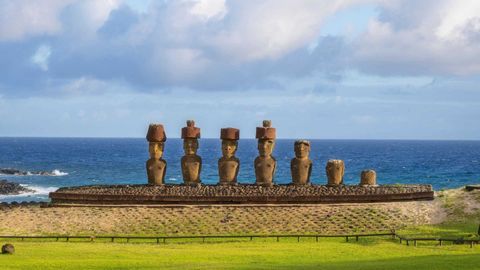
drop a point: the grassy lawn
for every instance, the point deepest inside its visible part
(368, 253)
(332, 253)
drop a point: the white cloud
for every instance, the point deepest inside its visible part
(457, 16)
(41, 56)
(23, 18)
(209, 9)
(271, 29)
(431, 38)
(85, 17)
(224, 45)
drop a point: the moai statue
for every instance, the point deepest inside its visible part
(191, 163)
(368, 178)
(265, 163)
(156, 166)
(301, 165)
(228, 164)
(335, 170)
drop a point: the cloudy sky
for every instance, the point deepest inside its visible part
(351, 69)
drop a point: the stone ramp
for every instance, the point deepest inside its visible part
(213, 219)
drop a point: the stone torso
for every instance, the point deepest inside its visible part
(191, 167)
(156, 169)
(301, 170)
(264, 170)
(228, 170)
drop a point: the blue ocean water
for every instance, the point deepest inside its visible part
(87, 161)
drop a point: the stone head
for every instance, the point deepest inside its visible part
(302, 149)
(368, 178)
(335, 170)
(190, 146)
(155, 149)
(229, 147)
(265, 147)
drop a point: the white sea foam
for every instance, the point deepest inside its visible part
(55, 172)
(58, 173)
(36, 191)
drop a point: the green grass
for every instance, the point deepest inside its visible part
(368, 253)
(466, 230)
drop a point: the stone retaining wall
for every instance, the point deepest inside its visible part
(240, 194)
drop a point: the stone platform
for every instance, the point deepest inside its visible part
(239, 194)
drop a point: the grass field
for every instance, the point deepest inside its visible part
(461, 218)
(368, 253)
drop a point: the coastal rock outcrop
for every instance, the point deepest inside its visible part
(11, 188)
(11, 171)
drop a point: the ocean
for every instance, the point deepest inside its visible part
(95, 161)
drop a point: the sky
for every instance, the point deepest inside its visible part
(333, 69)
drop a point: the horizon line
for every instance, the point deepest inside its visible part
(248, 138)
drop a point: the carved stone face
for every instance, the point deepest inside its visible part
(265, 147)
(229, 147)
(302, 150)
(155, 149)
(190, 146)
(335, 170)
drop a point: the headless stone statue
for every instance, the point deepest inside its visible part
(228, 164)
(368, 178)
(156, 166)
(265, 164)
(191, 162)
(335, 170)
(301, 165)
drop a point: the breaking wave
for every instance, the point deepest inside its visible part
(37, 192)
(9, 171)
(58, 173)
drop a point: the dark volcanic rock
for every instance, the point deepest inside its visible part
(10, 188)
(8, 249)
(10, 171)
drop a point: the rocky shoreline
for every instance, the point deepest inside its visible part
(11, 188)
(11, 171)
